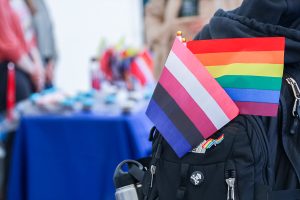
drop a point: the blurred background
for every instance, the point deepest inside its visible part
(80, 26)
(75, 80)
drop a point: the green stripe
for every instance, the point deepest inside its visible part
(250, 82)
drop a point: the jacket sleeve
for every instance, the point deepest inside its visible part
(12, 44)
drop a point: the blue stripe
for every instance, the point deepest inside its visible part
(168, 130)
(252, 95)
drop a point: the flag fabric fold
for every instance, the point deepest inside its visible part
(188, 104)
(249, 69)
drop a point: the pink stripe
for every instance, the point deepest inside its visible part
(187, 104)
(262, 109)
(203, 76)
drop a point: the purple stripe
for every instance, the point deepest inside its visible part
(169, 131)
(261, 109)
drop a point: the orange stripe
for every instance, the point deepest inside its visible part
(224, 58)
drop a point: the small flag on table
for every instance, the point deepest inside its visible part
(188, 105)
(249, 69)
(142, 68)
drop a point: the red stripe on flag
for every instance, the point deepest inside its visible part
(136, 71)
(148, 59)
(206, 80)
(196, 115)
(237, 44)
(261, 109)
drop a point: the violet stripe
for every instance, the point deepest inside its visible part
(187, 104)
(177, 116)
(261, 109)
(168, 130)
(204, 77)
(200, 95)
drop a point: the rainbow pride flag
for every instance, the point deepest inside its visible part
(188, 105)
(249, 69)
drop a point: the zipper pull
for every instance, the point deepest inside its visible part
(152, 171)
(230, 180)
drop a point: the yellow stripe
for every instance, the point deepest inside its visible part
(272, 70)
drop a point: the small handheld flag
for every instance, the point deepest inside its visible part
(188, 105)
(249, 69)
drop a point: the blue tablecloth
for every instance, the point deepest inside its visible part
(73, 158)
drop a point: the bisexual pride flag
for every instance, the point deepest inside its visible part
(188, 105)
(249, 69)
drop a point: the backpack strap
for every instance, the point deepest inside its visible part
(156, 139)
(183, 181)
(284, 194)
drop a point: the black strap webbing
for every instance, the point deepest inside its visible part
(183, 181)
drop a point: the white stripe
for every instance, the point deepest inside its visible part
(195, 89)
(145, 69)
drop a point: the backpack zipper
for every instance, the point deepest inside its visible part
(154, 162)
(152, 171)
(230, 179)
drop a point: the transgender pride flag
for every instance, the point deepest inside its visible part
(188, 105)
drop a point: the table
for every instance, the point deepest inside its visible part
(73, 157)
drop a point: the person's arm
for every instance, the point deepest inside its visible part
(38, 64)
(11, 47)
(155, 25)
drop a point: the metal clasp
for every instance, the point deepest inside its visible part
(296, 92)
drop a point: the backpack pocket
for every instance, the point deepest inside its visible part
(196, 176)
(198, 182)
(236, 166)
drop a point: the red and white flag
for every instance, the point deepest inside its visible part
(142, 68)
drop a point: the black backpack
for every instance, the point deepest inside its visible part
(259, 158)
